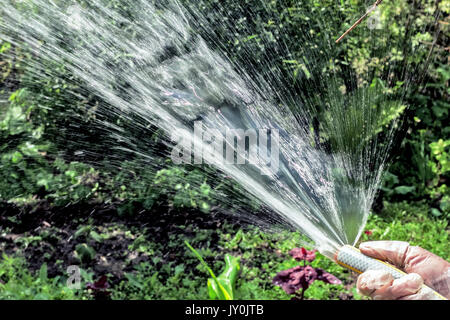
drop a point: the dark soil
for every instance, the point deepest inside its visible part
(56, 242)
(45, 234)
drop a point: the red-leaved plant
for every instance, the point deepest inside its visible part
(99, 289)
(301, 277)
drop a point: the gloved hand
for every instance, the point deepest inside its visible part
(421, 265)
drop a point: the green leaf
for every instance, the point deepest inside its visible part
(444, 204)
(404, 189)
(227, 278)
(43, 273)
(71, 173)
(438, 111)
(85, 252)
(435, 212)
(29, 149)
(83, 230)
(16, 157)
(133, 281)
(218, 290)
(94, 235)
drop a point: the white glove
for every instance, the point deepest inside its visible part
(422, 266)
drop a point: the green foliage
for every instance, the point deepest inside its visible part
(148, 283)
(35, 127)
(430, 181)
(221, 287)
(17, 283)
(187, 194)
(265, 254)
(413, 223)
(423, 159)
(175, 186)
(26, 169)
(261, 256)
(84, 253)
(29, 172)
(227, 279)
(440, 164)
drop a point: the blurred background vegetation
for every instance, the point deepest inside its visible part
(42, 169)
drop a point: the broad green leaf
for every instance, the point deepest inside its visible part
(227, 278)
(220, 292)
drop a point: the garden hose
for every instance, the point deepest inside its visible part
(351, 258)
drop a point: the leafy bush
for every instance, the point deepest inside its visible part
(27, 172)
(410, 222)
(422, 162)
(37, 127)
(175, 186)
(17, 283)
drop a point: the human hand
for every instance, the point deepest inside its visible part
(422, 266)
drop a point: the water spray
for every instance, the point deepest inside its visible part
(349, 256)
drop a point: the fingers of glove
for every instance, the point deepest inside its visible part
(373, 280)
(408, 285)
(381, 286)
(433, 269)
(392, 251)
(424, 293)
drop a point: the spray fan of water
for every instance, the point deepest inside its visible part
(149, 65)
